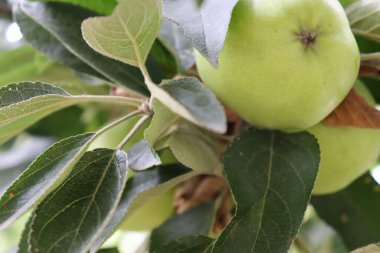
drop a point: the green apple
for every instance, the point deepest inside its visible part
(346, 153)
(286, 64)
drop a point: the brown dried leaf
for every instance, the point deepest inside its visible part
(198, 190)
(355, 112)
(369, 70)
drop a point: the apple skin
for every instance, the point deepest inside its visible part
(346, 153)
(269, 77)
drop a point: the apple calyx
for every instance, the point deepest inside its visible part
(308, 38)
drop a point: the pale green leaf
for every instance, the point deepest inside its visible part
(128, 34)
(191, 145)
(23, 104)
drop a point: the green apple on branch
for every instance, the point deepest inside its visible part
(285, 65)
(346, 152)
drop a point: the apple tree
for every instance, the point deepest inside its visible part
(218, 126)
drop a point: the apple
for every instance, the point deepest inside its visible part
(285, 64)
(346, 153)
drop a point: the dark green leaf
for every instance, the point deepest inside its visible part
(196, 221)
(52, 125)
(141, 156)
(109, 250)
(206, 25)
(72, 217)
(372, 83)
(143, 187)
(161, 63)
(353, 212)
(192, 244)
(271, 175)
(346, 3)
(16, 93)
(100, 6)
(40, 38)
(42, 26)
(42, 176)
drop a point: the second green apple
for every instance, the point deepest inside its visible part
(346, 152)
(286, 64)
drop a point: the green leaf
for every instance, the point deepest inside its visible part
(353, 212)
(128, 34)
(346, 3)
(100, 6)
(373, 248)
(180, 46)
(42, 176)
(161, 62)
(109, 250)
(271, 175)
(196, 221)
(192, 100)
(195, 148)
(87, 199)
(192, 146)
(41, 24)
(363, 24)
(141, 156)
(191, 244)
(206, 25)
(140, 189)
(24, 104)
(161, 126)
